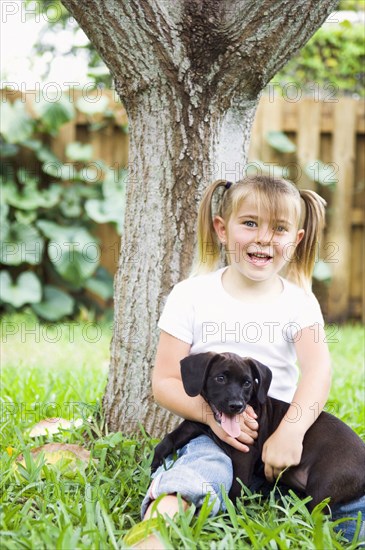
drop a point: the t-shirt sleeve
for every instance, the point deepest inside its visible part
(177, 317)
(308, 313)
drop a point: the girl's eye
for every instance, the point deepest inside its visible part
(250, 223)
(280, 229)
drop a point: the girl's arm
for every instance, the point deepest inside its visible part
(284, 447)
(168, 391)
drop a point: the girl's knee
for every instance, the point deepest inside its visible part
(208, 460)
(168, 505)
(192, 485)
(201, 469)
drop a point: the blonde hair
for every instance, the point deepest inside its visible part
(277, 196)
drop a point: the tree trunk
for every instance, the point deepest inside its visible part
(189, 73)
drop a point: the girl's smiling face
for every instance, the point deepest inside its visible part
(257, 246)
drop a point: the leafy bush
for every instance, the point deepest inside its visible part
(331, 62)
(354, 5)
(49, 214)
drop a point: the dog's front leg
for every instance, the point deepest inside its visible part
(243, 468)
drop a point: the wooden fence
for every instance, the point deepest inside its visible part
(331, 132)
(328, 131)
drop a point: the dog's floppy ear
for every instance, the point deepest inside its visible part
(263, 375)
(194, 370)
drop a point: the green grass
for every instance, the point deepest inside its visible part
(62, 371)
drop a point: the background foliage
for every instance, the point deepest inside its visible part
(49, 212)
(331, 62)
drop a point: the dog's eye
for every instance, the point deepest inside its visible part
(220, 378)
(247, 383)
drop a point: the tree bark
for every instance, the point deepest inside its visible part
(189, 73)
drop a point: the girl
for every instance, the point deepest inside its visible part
(259, 305)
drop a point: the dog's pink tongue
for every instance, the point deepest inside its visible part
(231, 425)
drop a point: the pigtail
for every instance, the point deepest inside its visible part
(301, 269)
(208, 246)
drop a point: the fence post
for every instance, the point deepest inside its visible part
(339, 235)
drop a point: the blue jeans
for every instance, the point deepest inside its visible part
(201, 468)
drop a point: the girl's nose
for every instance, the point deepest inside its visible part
(263, 235)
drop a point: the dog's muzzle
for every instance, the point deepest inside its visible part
(229, 423)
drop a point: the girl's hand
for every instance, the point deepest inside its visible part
(282, 449)
(248, 425)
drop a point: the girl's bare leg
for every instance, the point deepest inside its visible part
(168, 505)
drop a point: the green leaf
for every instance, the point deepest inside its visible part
(73, 251)
(280, 142)
(25, 217)
(111, 440)
(8, 149)
(108, 210)
(16, 124)
(101, 284)
(324, 174)
(111, 208)
(79, 152)
(26, 290)
(29, 198)
(27, 179)
(114, 183)
(32, 144)
(4, 211)
(70, 204)
(45, 155)
(98, 71)
(24, 201)
(51, 195)
(21, 243)
(54, 305)
(26, 198)
(56, 232)
(346, 24)
(54, 114)
(57, 169)
(322, 271)
(98, 105)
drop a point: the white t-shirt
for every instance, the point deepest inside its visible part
(200, 311)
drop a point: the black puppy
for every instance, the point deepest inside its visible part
(333, 458)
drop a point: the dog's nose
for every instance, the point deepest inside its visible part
(235, 406)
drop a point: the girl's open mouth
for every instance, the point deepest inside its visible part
(259, 258)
